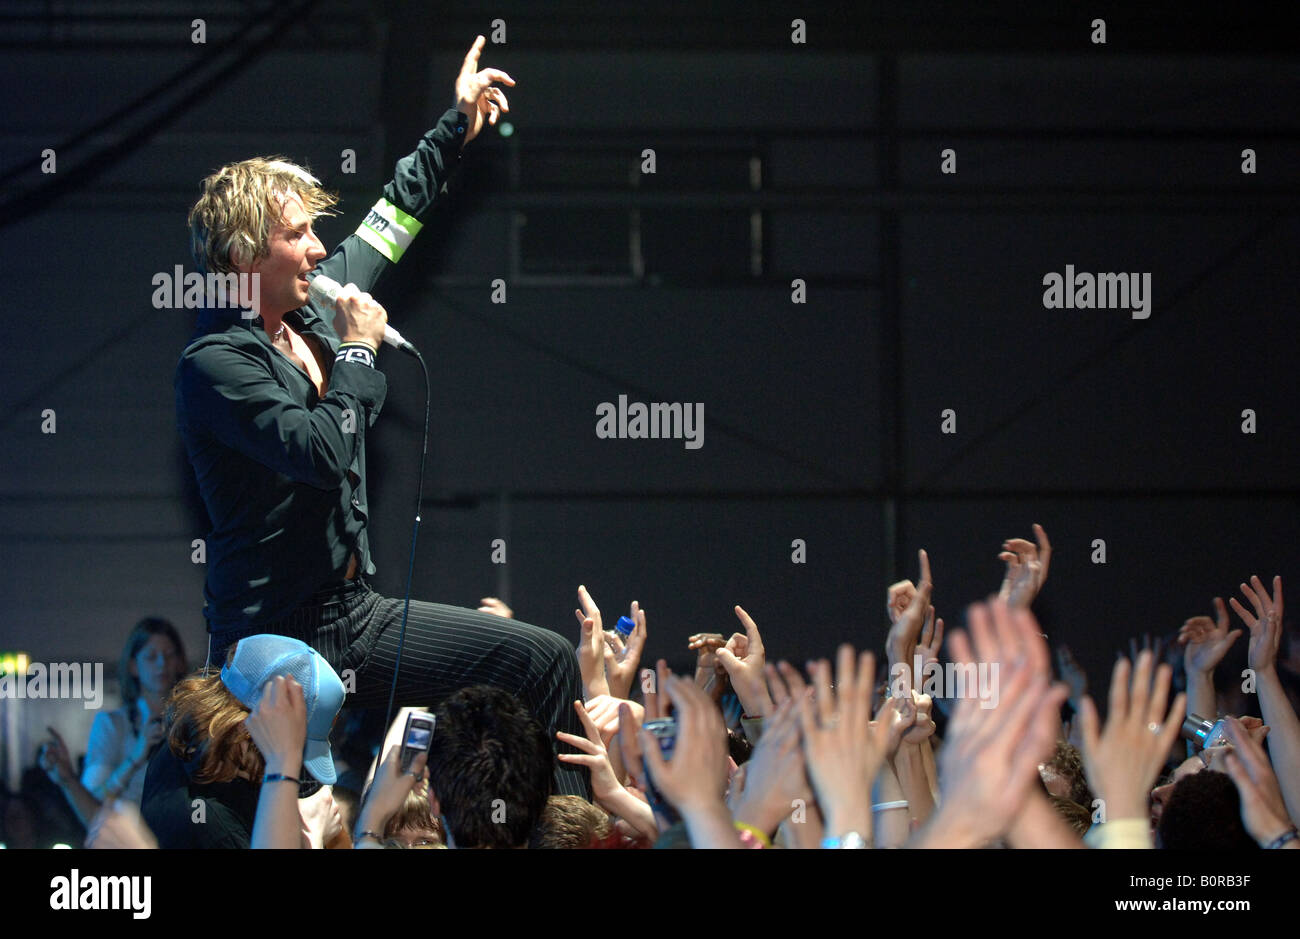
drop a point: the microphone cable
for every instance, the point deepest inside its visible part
(415, 533)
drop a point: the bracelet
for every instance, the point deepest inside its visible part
(850, 839)
(1289, 835)
(354, 351)
(369, 834)
(755, 834)
(882, 806)
(279, 777)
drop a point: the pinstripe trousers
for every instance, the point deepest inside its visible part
(446, 648)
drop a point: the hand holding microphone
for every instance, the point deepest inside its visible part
(358, 316)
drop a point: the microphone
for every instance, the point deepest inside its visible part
(325, 290)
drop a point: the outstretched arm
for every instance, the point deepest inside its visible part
(1265, 625)
(419, 177)
(1204, 645)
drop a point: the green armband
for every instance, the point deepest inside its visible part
(388, 230)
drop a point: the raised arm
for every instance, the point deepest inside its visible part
(1265, 625)
(392, 223)
(1205, 643)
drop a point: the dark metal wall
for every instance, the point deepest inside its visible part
(775, 161)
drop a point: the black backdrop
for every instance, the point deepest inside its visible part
(775, 160)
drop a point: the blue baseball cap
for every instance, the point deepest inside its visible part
(258, 659)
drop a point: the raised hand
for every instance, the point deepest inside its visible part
(278, 725)
(387, 794)
(695, 779)
(989, 761)
(1123, 760)
(898, 597)
(1206, 641)
(915, 714)
(745, 660)
(1265, 625)
(594, 753)
(785, 682)
(844, 748)
(1263, 810)
(152, 735)
(623, 658)
(605, 785)
(707, 667)
(931, 640)
(476, 95)
(1072, 673)
(496, 607)
(657, 703)
(321, 820)
(629, 745)
(603, 710)
(1027, 565)
(55, 760)
(775, 780)
(591, 645)
(907, 629)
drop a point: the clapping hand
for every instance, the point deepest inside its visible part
(775, 780)
(989, 761)
(1123, 760)
(843, 747)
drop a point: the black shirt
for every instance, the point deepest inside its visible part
(280, 468)
(221, 818)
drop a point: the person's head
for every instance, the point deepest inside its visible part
(258, 659)
(153, 660)
(1063, 775)
(256, 216)
(416, 825)
(1203, 812)
(490, 769)
(1075, 815)
(205, 726)
(570, 822)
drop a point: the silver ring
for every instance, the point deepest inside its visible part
(1153, 727)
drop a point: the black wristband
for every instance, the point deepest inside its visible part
(356, 352)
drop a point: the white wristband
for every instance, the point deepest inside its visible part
(882, 806)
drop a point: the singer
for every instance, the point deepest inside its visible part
(273, 405)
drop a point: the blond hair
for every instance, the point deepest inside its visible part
(231, 223)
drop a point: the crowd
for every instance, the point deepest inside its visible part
(972, 742)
